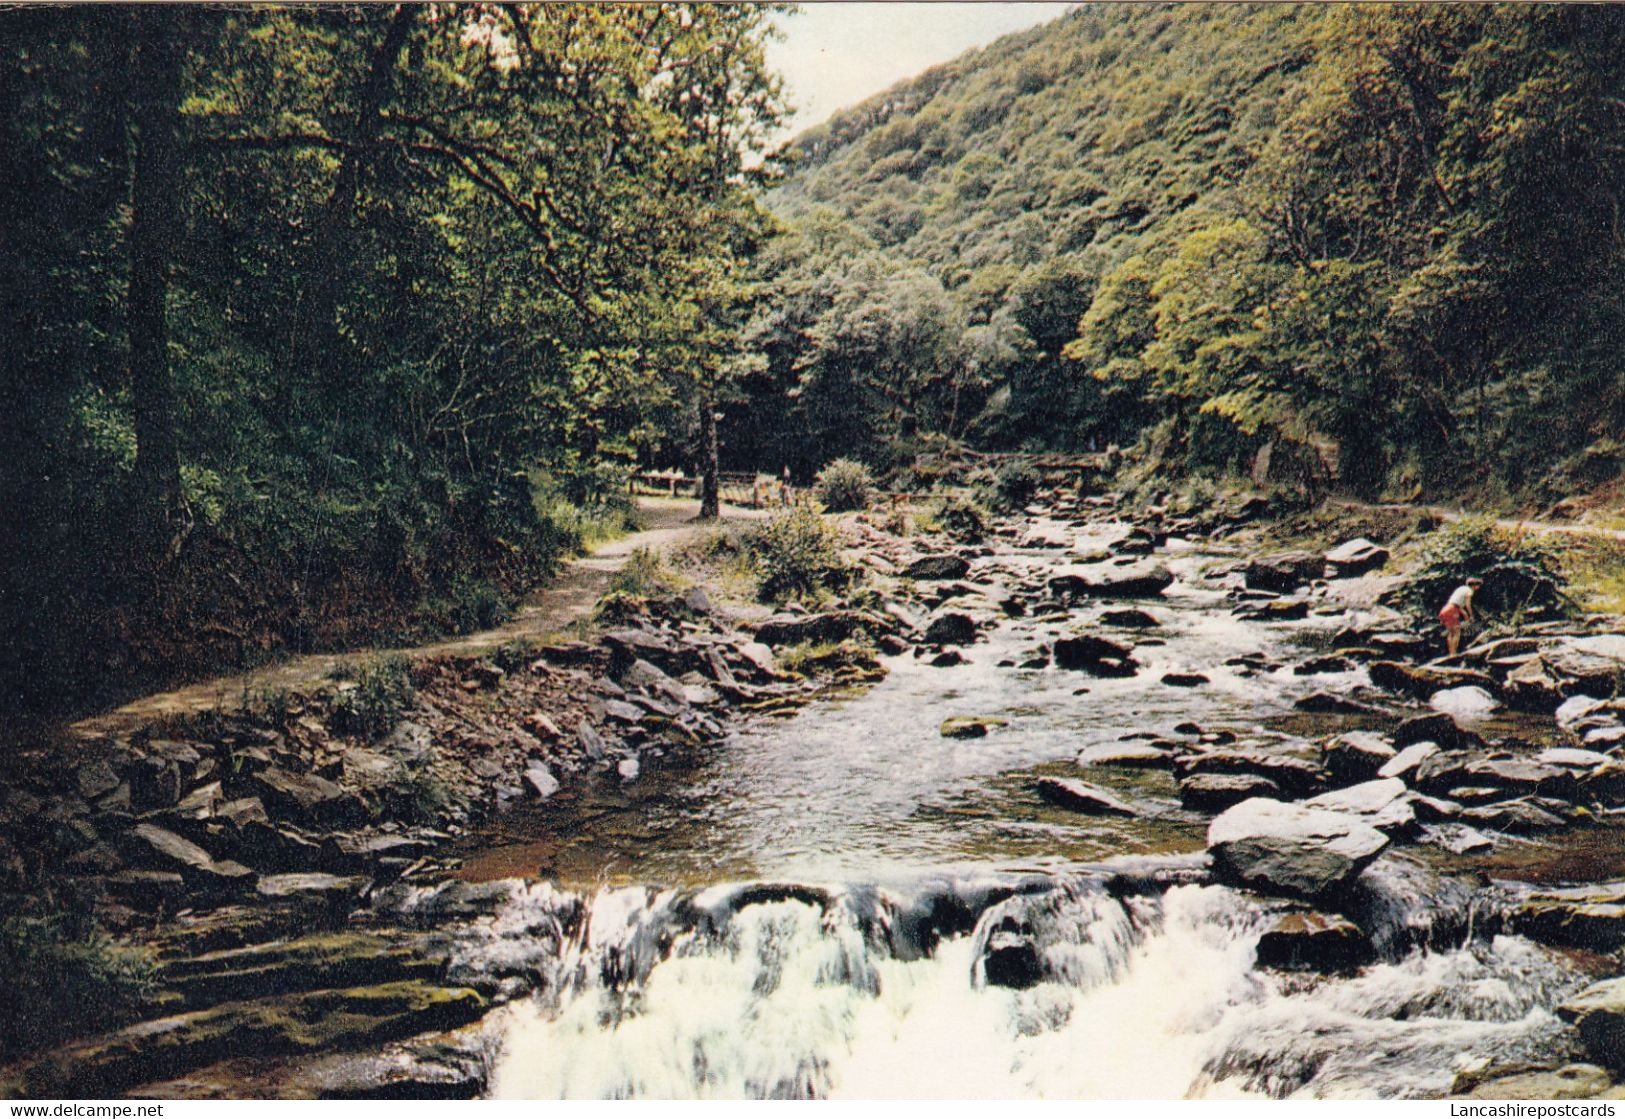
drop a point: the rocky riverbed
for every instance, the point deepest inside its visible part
(1100, 747)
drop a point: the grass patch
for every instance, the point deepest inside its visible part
(377, 697)
(66, 979)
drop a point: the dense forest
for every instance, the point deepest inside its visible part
(330, 324)
(333, 325)
(1386, 238)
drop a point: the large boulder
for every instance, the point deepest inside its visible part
(1598, 1013)
(1591, 917)
(1284, 572)
(1355, 557)
(1589, 665)
(1291, 849)
(1105, 580)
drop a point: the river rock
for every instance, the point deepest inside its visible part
(1127, 755)
(1129, 618)
(1295, 776)
(307, 798)
(1355, 557)
(1423, 680)
(1184, 679)
(316, 1021)
(1591, 917)
(1329, 703)
(328, 959)
(1589, 665)
(1079, 796)
(937, 567)
(539, 780)
(1355, 756)
(1011, 960)
(815, 629)
(1408, 760)
(1598, 1013)
(1571, 1082)
(1383, 803)
(1098, 656)
(1285, 848)
(1214, 792)
(1137, 580)
(970, 726)
(1468, 702)
(951, 628)
(1439, 728)
(1570, 758)
(1283, 572)
(1307, 940)
(1517, 817)
(1532, 687)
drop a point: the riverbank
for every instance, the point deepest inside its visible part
(310, 818)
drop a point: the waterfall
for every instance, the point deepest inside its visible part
(775, 991)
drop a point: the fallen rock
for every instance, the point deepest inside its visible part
(1077, 796)
(307, 798)
(1288, 848)
(540, 781)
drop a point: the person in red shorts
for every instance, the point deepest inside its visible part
(1459, 609)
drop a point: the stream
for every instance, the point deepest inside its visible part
(825, 905)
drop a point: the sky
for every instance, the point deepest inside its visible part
(837, 54)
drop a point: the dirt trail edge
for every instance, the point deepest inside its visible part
(566, 598)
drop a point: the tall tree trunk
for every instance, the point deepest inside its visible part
(710, 489)
(154, 230)
(315, 337)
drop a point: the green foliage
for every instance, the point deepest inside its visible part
(418, 793)
(376, 697)
(1520, 573)
(962, 518)
(516, 655)
(1389, 235)
(64, 980)
(273, 706)
(1014, 484)
(797, 555)
(808, 658)
(844, 486)
(646, 574)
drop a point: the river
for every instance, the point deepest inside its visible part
(812, 908)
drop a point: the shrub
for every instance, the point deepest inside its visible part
(474, 605)
(419, 794)
(64, 982)
(645, 573)
(844, 486)
(795, 555)
(962, 518)
(1015, 483)
(377, 698)
(1519, 572)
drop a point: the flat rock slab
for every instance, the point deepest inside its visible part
(970, 726)
(1314, 941)
(1128, 756)
(1079, 796)
(305, 1023)
(1598, 1012)
(1291, 849)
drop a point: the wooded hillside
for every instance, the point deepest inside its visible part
(1391, 233)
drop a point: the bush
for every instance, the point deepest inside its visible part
(378, 697)
(645, 573)
(64, 982)
(1015, 483)
(962, 518)
(1519, 572)
(844, 486)
(796, 555)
